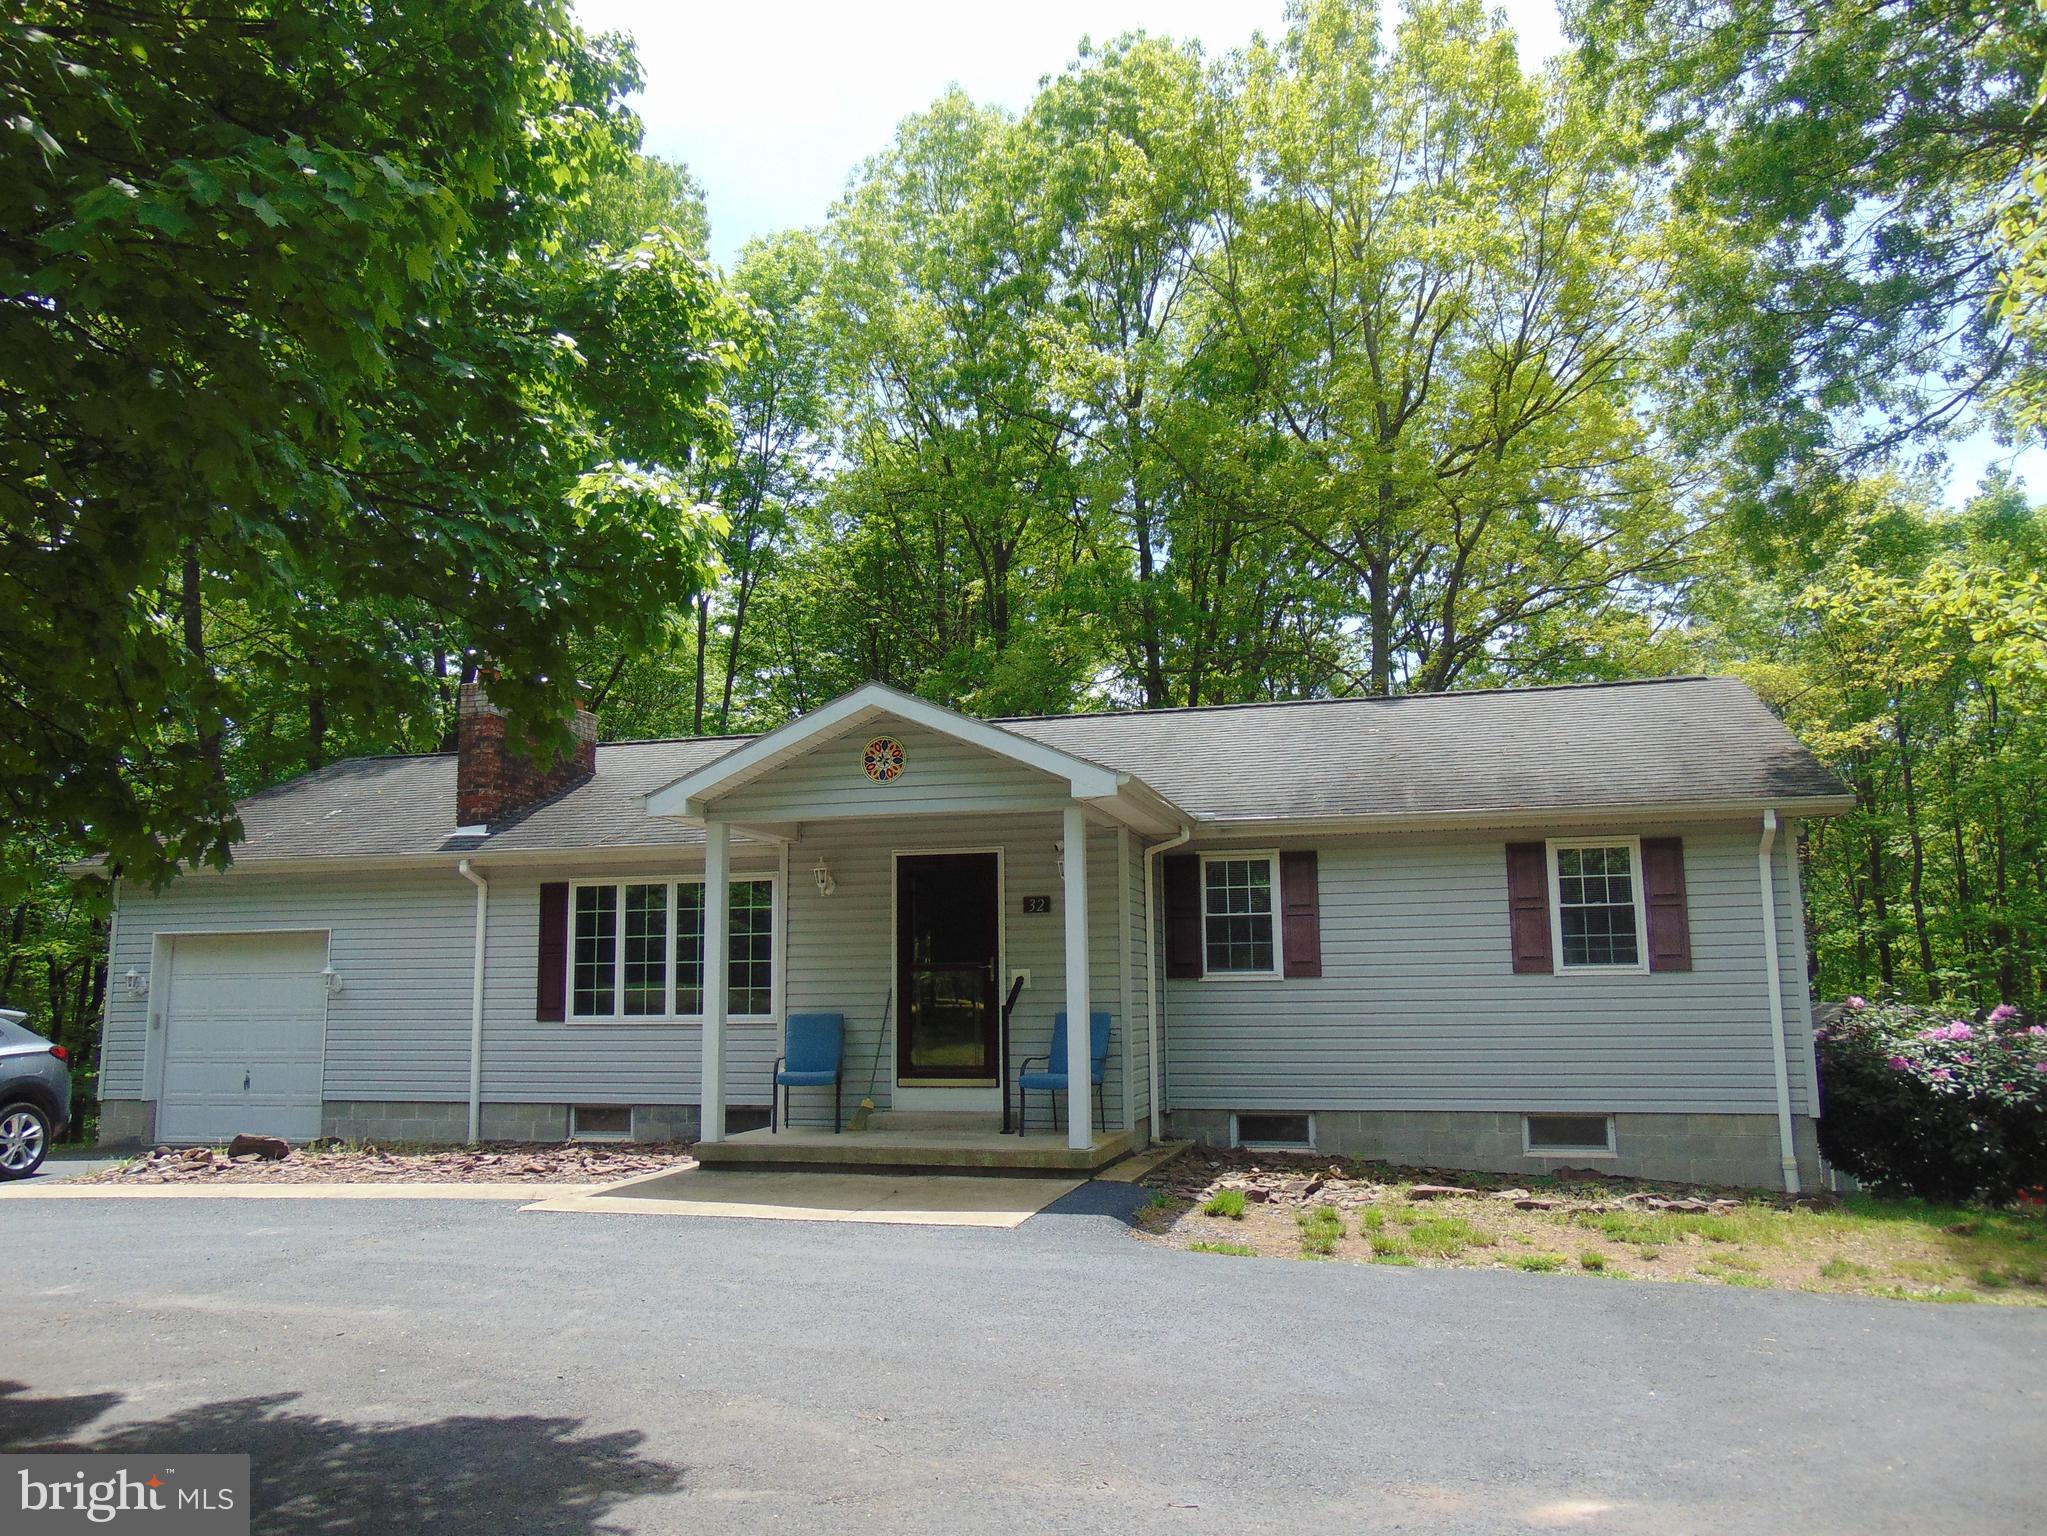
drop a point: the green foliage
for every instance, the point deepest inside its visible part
(1538, 1263)
(1232, 1250)
(296, 344)
(1841, 172)
(1943, 1108)
(1225, 1202)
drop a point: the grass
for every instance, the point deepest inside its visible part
(1321, 1228)
(1862, 1245)
(1234, 1250)
(1225, 1202)
(1445, 1237)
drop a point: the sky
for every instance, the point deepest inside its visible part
(773, 103)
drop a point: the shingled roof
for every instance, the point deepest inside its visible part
(1698, 742)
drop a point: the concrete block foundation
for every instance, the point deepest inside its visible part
(1724, 1149)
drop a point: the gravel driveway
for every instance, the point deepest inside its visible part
(414, 1366)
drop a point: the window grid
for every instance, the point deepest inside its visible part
(622, 964)
(596, 954)
(1237, 915)
(646, 950)
(1596, 913)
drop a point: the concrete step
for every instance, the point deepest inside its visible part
(921, 1151)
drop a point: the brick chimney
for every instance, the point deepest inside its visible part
(493, 781)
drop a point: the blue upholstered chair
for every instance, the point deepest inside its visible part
(1051, 1078)
(815, 1043)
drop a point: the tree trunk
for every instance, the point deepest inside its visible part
(193, 615)
(1916, 882)
(703, 644)
(316, 728)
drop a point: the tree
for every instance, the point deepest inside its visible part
(1443, 272)
(1841, 170)
(291, 325)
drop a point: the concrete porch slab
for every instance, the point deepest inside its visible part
(934, 1151)
(923, 1200)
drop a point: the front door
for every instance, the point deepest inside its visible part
(948, 925)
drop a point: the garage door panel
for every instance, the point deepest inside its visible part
(245, 1038)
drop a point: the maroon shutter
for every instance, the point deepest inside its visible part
(551, 999)
(1663, 883)
(1528, 907)
(1300, 905)
(1181, 873)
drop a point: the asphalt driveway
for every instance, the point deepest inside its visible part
(413, 1366)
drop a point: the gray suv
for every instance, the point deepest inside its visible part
(35, 1095)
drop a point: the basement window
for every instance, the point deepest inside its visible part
(1273, 1130)
(1569, 1135)
(601, 1122)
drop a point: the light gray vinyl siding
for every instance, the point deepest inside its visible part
(940, 775)
(1139, 1033)
(402, 944)
(585, 1061)
(1418, 1006)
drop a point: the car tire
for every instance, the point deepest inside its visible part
(24, 1139)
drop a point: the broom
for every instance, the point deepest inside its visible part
(866, 1105)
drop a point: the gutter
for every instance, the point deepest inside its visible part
(1151, 968)
(1787, 1145)
(468, 872)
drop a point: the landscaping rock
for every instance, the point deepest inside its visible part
(1258, 1194)
(1441, 1192)
(1510, 1194)
(274, 1148)
(197, 1155)
(1529, 1202)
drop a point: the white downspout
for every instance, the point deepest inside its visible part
(1151, 969)
(1787, 1144)
(476, 1004)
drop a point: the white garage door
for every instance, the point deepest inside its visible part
(245, 1037)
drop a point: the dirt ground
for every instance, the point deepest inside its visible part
(364, 1163)
(1274, 1205)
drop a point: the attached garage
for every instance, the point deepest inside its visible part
(244, 1036)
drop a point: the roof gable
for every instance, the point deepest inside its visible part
(871, 709)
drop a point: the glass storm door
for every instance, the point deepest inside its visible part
(947, 924)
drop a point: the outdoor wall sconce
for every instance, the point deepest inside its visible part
(136, 983)
(333, 979)
(825, 884)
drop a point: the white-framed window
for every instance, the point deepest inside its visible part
(1598, 918)
(1567, 1135)
(636, 949)
(1240, 915)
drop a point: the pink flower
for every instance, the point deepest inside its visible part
(1858, 1003)
(1955, 1031)
(1900, 1064)
(1965, 1060)
(1942, 1075)
(2037, 1031)
(2040, 1066)
(2002, 1012)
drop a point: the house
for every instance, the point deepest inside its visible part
(1503, 930)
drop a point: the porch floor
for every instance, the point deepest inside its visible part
(943, 1148)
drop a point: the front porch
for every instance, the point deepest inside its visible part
(950, 895)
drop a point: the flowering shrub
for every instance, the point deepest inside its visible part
(1945, 1107)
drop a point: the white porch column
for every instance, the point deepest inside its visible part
(717, 943)
(1080, 1098)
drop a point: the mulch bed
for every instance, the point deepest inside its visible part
(362, 1163)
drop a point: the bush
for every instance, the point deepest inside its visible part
(1943, 1107)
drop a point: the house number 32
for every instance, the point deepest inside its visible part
(1037, 903)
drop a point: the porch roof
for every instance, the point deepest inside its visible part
(1116, 793)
